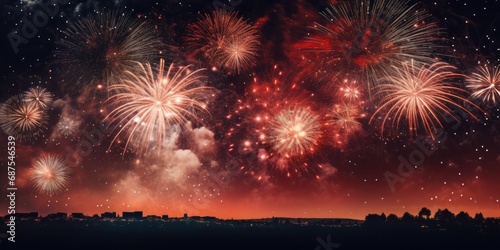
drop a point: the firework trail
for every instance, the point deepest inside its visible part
(420, 95)
(485, 84)
(370, 36)
(148, 105)
(22, 119)
(40, 96)
(225, 40)
(50, 174)
(97, 50)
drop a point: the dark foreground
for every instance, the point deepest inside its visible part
(225, 235)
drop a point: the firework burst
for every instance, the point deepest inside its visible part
(224, 39)
(40, 96)
(22, 119)
(371, 35)
(50, 174)
(261, 129)
(485, 84)
(295, 131)
(67, 126)
(147, 105)
(97, 50)
(421, 95)
(345, 118)
(349, 91)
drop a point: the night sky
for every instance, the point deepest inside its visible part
(225, 157)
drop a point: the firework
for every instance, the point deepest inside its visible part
(254, 136)
(146, 106)
(294, 131)
(224, 39)
(67, 126)
(97, 50)
(349, 91)
(371, 35)
(345, 118)
(50, 174)
(21, 119)
(421, 95)
(485, 84)
(40, 96)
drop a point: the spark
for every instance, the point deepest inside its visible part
(98, 49)
(294, 131)
(345, 118)
(224, 39)
(67, 126)
(485, 84)
(50, 174)
(421, 95)
(148, 105)
(40, 96)
(21, 119)
(372, 35)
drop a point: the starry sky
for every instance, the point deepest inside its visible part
(218, 164)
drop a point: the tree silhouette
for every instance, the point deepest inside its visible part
(463, 218)
(392, 218)
(383, 217)
(407, 218)
(424, 212)
(479, 218)
(444, 216)
(375, 219)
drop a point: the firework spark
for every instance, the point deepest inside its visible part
(224, 39)
(254, 135)
(295, 131)
(421, 95)
(67, 126)
(21, 119)
(372, 35)
(148, 105)
(345, 118)
(97, 50)
(349, 91)
(485, 83)
(50, 174)
(262, 102)
(40, 96)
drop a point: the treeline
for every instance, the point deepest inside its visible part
(441, 219)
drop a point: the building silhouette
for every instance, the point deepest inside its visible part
(136, 215)
(108, 215)
(27, 216)
(57, 216)
(78, 216)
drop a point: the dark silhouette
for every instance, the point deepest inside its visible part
(442, 231)
(375, 219)
(407, 218)
(479, 218)
(424, 212)
(463, 218)
(444, 217)
(392, 218)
